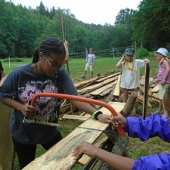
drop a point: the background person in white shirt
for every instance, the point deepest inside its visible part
(90, 60)
(130, 81)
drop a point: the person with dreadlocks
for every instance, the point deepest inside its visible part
(130, 81)
(45, 74)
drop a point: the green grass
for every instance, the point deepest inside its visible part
(102, 66)
(8, 67)
(135, 148)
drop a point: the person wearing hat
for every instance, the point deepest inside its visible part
(130, 80)
(163, 78)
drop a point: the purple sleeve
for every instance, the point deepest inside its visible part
(149, 127)
(153, 162)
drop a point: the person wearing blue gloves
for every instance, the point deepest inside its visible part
(136, 127)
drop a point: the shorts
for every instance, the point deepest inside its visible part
(162, 89)
(90, 67)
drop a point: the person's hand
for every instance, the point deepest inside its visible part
(84, 148)
(156, 80)
(66, 44)
(162, 81)
(147, 60)
(123, 57)
(154, 77)
(120, 119)
(28, 110)
(103, 118)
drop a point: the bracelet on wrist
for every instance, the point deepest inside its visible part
(96, 114)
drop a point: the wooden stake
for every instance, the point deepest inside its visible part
(129, 105)
(66, 46)
(146, 87)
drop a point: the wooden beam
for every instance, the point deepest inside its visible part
(76, 117)
(100, 90)
(6, 144)
(96, 86)
(85, 158)
(59, 157)
(155, 89)
(107, 77)
(85, 82)
(117, 88)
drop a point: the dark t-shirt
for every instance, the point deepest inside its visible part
(22, 84)
(1, 69)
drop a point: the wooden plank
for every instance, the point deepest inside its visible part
(6, 145)
(142, 81)
(155, 95)
(155, 89)
(76, 117)
(146, 88)
(85, 158)
(117, 88)
(96, 86)
(85, 82)
(100, 90)
(107, 91)
(150, 91)
(110, 76)
(59, 157)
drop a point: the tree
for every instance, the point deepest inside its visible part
(124, 17)
(151, 24)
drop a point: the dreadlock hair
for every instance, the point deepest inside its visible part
(49, 46)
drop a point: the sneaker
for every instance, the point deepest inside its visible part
(82, 77)
(158, 112)
(139, 112)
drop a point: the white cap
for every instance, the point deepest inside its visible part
(162, 51)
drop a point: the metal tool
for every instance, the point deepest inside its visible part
(82, 99)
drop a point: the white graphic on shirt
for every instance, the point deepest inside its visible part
(45, 106)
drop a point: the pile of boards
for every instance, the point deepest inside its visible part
(107, 88)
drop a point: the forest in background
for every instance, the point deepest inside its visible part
(22, 29)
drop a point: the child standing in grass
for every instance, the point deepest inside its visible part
(130, 81)
(90, 60)
(163, 77)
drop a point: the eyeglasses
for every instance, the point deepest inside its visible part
(52, 66)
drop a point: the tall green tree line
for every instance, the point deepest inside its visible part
(22, 29)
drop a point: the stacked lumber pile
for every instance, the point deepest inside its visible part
(106, 88)
(152, 91)
(99, 88)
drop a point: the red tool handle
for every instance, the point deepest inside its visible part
(82, 99)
